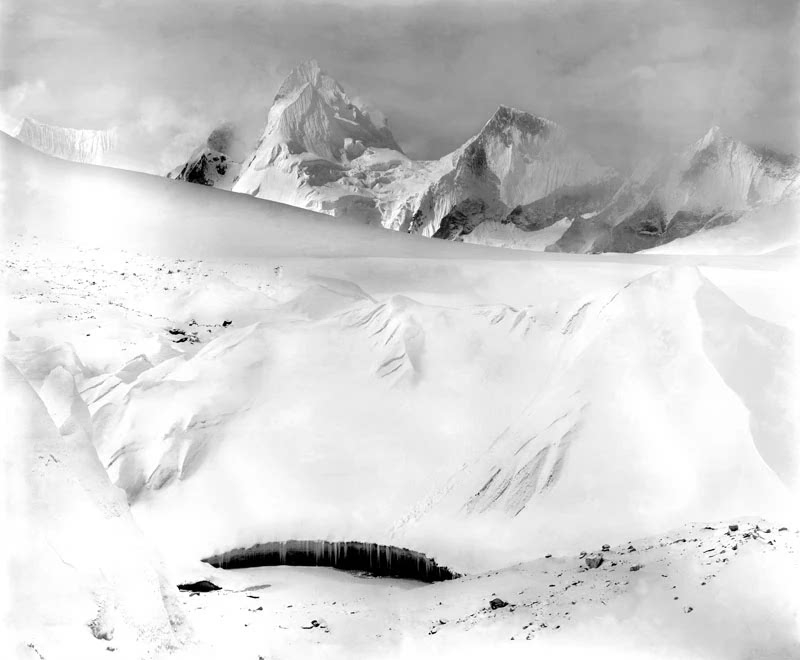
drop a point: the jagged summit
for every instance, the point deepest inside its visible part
(309, 73)
(313, 114)
(506, 117)
(521, 179)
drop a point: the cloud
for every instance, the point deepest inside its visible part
(624, 75)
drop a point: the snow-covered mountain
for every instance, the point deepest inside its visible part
(321, 151)
(515, 160)
(522, 181)
(80, 145)
(715, 182)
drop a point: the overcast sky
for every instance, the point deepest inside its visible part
(625, 75)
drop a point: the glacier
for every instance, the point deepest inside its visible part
(501, 412)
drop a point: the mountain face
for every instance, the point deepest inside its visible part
(522, 181)
(715, 182)
(211, 165)
(320, 150)
(516, 159)
(80, 145)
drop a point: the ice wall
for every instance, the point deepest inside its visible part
(387, 560)
(80, 145)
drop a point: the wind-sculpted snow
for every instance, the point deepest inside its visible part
(668, 354)
(80, 145)
(607, 377)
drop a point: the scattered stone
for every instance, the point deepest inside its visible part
(201, 586)
(688, 609)
(497, 603)
(783, 529)
(606, 548)
(226, 323)
(594, 561)
(733, 528)
(636, 567)
(548, 556)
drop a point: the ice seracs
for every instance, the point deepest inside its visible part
(80, 145)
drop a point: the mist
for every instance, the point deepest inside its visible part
(627, 77)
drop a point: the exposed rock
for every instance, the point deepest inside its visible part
(497, 603)
(201, 586)
(733, 528)
(348, 555)
(594, 561)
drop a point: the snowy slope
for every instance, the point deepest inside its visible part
(83, 581)
(656, 393)
(697, 592)
(80, 145)
(99, 206)
(257, 372)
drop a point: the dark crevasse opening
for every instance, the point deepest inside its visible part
(384, 560)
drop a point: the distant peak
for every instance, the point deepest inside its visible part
(309, 70)
(711, 136)
(506, 117)
(309, 73)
